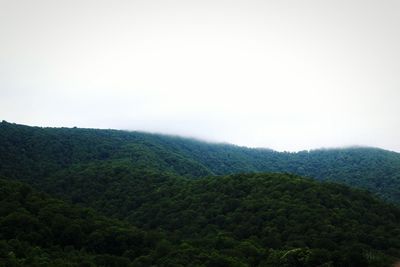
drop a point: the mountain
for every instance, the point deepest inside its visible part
(117, 198)
(34, 153)
(238, 220)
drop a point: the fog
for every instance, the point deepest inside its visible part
(287, 75)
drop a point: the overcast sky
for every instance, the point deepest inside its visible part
(288, 75)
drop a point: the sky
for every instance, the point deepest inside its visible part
(286, 74)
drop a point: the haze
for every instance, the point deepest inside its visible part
(288, 75)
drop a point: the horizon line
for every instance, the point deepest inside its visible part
(204, 140)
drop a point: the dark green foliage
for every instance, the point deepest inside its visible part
(38, 230)
(158, 215)
(240, 220)
(32, 153)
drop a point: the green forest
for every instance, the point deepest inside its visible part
(89, 197)
(32, 153)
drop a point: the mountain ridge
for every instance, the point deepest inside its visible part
(374, 169)
(188, 203)
(205, 141)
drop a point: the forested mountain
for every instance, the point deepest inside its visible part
(34, 153)
(117, 198)
(169, 201)
(239, 220)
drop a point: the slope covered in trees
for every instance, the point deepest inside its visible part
(33, 153)
(239, 220)
(36, 230)
(153, 213)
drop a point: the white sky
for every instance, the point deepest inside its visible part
(287, 75)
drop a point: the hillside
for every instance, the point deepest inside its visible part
(33, 153)
(157, 202)
(37, 230)
(239, 220)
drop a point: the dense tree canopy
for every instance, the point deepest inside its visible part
(240, 220)
(33, 153)
(36, 230)
(114, 198)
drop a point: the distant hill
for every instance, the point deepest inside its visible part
(32, 153)
(117, 198)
